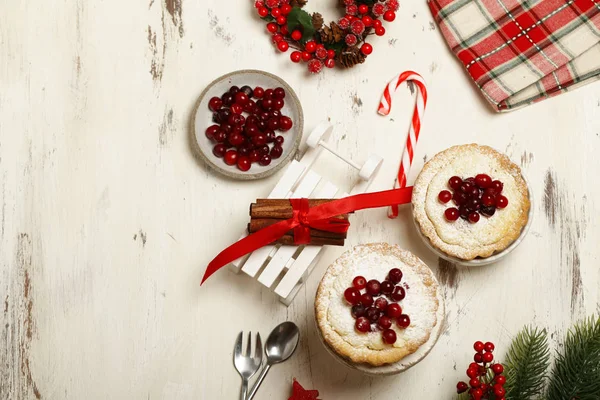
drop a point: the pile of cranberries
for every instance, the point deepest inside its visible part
(473, 196)
(245, 123)
(377, 307)
(486, 379)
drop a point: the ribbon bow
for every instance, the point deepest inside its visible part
(304, 217)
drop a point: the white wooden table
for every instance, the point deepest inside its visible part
(108, 221)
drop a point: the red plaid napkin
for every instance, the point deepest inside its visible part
(519, 52)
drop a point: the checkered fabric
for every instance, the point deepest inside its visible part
(519, 52)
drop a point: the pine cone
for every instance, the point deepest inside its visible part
(332, 34)
(317, 21)
(350, 56)
(298, 3)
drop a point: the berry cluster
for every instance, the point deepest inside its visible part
(378, 305)
(362, 18)
(244, 139)
(486, 379)
(473, 196)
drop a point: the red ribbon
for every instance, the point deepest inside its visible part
(304, 217)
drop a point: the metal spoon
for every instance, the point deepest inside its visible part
(280, 346)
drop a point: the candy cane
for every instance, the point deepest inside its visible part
(385, 107)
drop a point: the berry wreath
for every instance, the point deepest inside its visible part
(342, 43)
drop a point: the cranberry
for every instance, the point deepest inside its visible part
(219, 150)
(279, 139)
(352, 296)
(501, 202)
(387, 287)
(498, 369)
(259, 92)
(220, 136)
(489, 347)
(243, 163)
(399, 293)
(236, 109)
(478, 358)
(264, 117)
(254, 155)
(445, 196)
(279, 93)
(474, 217)
(373, 287)
(235, 139)
(275, 114)
(474, 192)
(264, 150)
(497, 186)
(234, 90)
(455, 182)
(222, 116)
(488, 357)
(278, 104)
(265, 160)
(404, 321)
(359, 282)
(384, 322)
(459, 198)
(270, 136)
(373, 314)
(251, 130)
(228, 99)
(473, 203)
(231, 157)
(488, 211)
(267, 104)
(215, 104)
(381, 303)
(273, 124)
(268, 94)
(247, 91)
(366, 300)
(358, 310)
(478, 347)
(259, 140)
(488, 200)
(250, 107)
(461, 387)
(451, 214)
(276, 152)
(389, 336)
(241, 99)
(393, 310)
(285, 123)
(466, 187)
(464, 212)
(395, 275)
(363, 325)
(244, 150)
(211, 130)
(483, 181)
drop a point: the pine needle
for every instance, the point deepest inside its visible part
(576, 372)
(526, 364)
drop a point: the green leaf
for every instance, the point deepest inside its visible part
(526, 364)
(576, 372)
(337, 47)
(268, 18)
(300, 19)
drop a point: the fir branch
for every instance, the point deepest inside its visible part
(526, 364)
(576, 372)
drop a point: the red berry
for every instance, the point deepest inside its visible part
(272, 27)
(380, 31)
(296, 56)
(500, 379)
(359, 282)
(237, 109)
(344, 23)
(483, 181)
(455, 182)
(381, 303)
(389, 336)
(281, 20)
(474, 383)
(489, 347)
(296, 35)
(283, 46)
(497, 186)
(306, 56)
(211, 130)
(241, 98)
(461, 387)
(254, 155)
(472, 373)
(499, 390)
(366, 49)
(445, 196)
(478, 346)
(363, 9)
(330, 63)
(488, 357)
(373, 287)
(231, 157)
(215, 104)
(310, 46)
(265, 160)
(263, 11)
(478, 358)
(275, 12)
(384, 322)
(279, 139)
(366, 300)
(321, 53)
(276, 152)
(474, 217)
(398, 294)
(351, 39)
(498, 369)
(363, 325)
(352, 9)
(358, 310)
(220, 136)
(466, 187)
(373, 314)
(284, 30)
(404, 321)
(285, 9)
(357, 27)
(219, 150)
(368, 21)
(451, 214)
(235, 139)
(395, 275)
(331, 54)
(259, 92)
(393, 310)
(488, 200)
(243, 163)
(387, 287)
(315, 66)
(501, 202)
(389, 16)
(352, 296)
(377, 23)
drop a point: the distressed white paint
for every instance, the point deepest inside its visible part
(107, 220)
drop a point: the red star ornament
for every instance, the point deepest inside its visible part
(299, 393)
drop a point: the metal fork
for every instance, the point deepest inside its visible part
(245, 364)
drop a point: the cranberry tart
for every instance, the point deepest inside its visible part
(470, 201)
(377, 304)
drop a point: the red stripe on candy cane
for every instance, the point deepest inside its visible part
(385, 106)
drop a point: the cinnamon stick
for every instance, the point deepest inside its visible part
(281, 208)
(288, 240)
(257, 224)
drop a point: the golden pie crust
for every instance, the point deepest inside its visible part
(461, 238)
